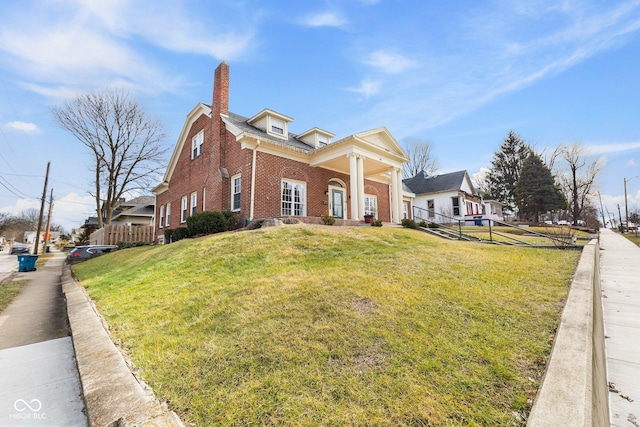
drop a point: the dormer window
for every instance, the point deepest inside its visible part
(274, 124)
(316, 138)
(277, 126)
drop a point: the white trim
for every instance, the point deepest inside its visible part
(233, 192)
(367, 204)
(197, 144)
(291, 210)
(184, 210)
(193, 203)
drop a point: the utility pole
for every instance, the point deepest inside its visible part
(46, 236)
(44, 197)
(620, 215)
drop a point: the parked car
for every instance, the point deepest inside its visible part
(83, 253)
(19, 248)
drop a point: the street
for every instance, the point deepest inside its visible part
(7, 262)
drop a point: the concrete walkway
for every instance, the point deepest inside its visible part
(620, 278)
(39, 382)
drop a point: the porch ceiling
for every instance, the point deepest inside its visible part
(372, 167)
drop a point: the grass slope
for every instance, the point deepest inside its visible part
(335, 326)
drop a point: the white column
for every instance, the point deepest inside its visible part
(400, 202)
(395, 214)
(353, 179)
(360, 163)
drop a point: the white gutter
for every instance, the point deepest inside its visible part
(253, 181)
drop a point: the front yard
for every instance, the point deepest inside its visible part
(335, 326)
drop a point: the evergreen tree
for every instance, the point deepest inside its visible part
(505, 170)
(536, 190)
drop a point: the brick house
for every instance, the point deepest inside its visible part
(257, 168)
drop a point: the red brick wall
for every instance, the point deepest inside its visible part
(272, 169)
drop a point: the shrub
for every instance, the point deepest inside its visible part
(168, 235)
(210, 222)
(328, 220)
(180, 233)
(409, 223)
(376, 223)
(433, 225)
(423, 223)
(125, 245)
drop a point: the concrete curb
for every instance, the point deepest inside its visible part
(574, 389)
(113, 395)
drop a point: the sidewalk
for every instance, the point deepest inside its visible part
(620, 278)
(39, 382)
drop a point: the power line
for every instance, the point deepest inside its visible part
(14, 188)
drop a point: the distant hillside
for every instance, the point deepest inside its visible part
(335, 326)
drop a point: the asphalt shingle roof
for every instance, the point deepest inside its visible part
(292, 141)
(423, 183)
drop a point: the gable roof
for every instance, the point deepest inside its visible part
(424, 183)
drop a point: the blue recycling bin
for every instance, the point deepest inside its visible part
(27, 263)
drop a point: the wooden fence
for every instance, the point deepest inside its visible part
(113, 234)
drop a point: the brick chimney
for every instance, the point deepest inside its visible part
(220, 103)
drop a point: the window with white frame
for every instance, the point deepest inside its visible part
(370, 205)
(197, 144)
(161, 217)
(236, 188)
(194, 202)
(293, 198)
(168, 213)
(183, 210)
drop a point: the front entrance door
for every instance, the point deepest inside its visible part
(337, 203)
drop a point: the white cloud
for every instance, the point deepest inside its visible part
(324, 19)
(613, 148)
(74, 45)
(367, 88)
(390, 63)
(72, 210)
(632, 163)
(23, 126)
(69, 211)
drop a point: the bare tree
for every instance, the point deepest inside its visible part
(577, 173)
(420, 159)
(124, 143)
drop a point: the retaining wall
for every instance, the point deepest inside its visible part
(574, 389)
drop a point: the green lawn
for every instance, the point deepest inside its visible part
(335, 326)
(633, 237)
(10, 289)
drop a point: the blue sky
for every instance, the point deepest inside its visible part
(458, 75)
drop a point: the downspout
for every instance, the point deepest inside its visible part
(253, 181)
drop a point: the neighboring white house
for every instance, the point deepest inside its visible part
(30, 236)
(445, 198)
(493, 210)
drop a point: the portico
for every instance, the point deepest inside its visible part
(373, 155)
